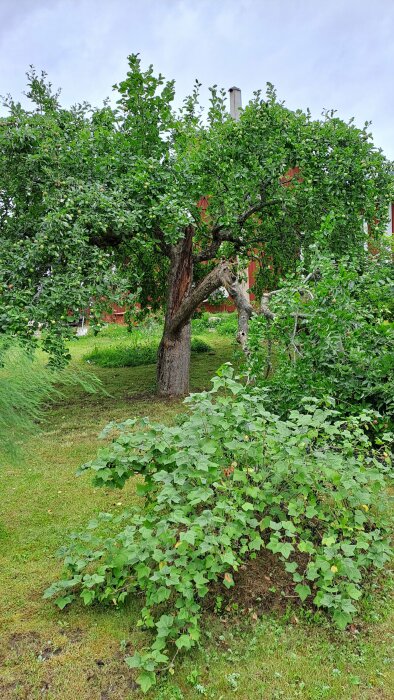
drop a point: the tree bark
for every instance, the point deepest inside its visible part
(244, 307)
(241, 301)
(173, 359)
(173, 362)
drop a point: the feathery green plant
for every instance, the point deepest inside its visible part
(25, 386)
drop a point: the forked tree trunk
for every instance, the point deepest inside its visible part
(173, 360)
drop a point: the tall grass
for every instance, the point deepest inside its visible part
(26, 387)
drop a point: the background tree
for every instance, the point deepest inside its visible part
(99, 203)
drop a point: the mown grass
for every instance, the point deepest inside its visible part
(80, 653)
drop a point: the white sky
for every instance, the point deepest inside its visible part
(318, 53)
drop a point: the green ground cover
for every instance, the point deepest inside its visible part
(255, 647)
(141, 353)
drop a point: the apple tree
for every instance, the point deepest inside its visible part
(104, 204)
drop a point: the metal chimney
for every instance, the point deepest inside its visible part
(235, 102)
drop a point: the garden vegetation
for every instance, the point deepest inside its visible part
(307, 481)
(143, 203)
(290, 450)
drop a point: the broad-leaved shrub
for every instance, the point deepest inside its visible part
(226, 482)
(332, 335)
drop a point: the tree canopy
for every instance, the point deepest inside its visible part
(103, 204)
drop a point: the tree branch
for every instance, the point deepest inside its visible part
(164, 246)
(190, 303)
(209, 253)
(221, 276)
(264, 308)
(221, 235)
(245, 309)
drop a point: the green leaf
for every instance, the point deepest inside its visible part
(275, 526)
(347, 606)
(348, 549)
(87, 596)
(184, 642)
(285, 549)
(341, 619)
(146, 680)
(328, 541)
(303, 591)
(306, 546)
(256, 543)
(143, 489)
(228, 580)
(295, 508)
(247, 506)
(134, 661)
(353, 591)
(291, 567)
(229, 558)
(64, 600)
(188, 536)
(311, 511)
(209, 447)
(200, 579)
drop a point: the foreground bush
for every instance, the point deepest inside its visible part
(144, 353)
(227, 482)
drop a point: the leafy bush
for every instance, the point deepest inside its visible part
(199, 345)
(202, 322)
(133, 355)
(228, 325)
(228, 481)
(123, 355)
(223, 323)
(333, 335)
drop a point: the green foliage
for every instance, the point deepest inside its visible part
(198, 345)
(150, 325)
(228, 481)
(26, 385)
(93, 200)
(332, 335)
(135, 354)
(123, 355)
(222, 323)
(228, 325)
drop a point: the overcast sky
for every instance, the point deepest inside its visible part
(318, 53)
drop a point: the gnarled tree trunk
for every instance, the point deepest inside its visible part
(173, 360)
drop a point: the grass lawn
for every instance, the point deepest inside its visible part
(79, 653)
